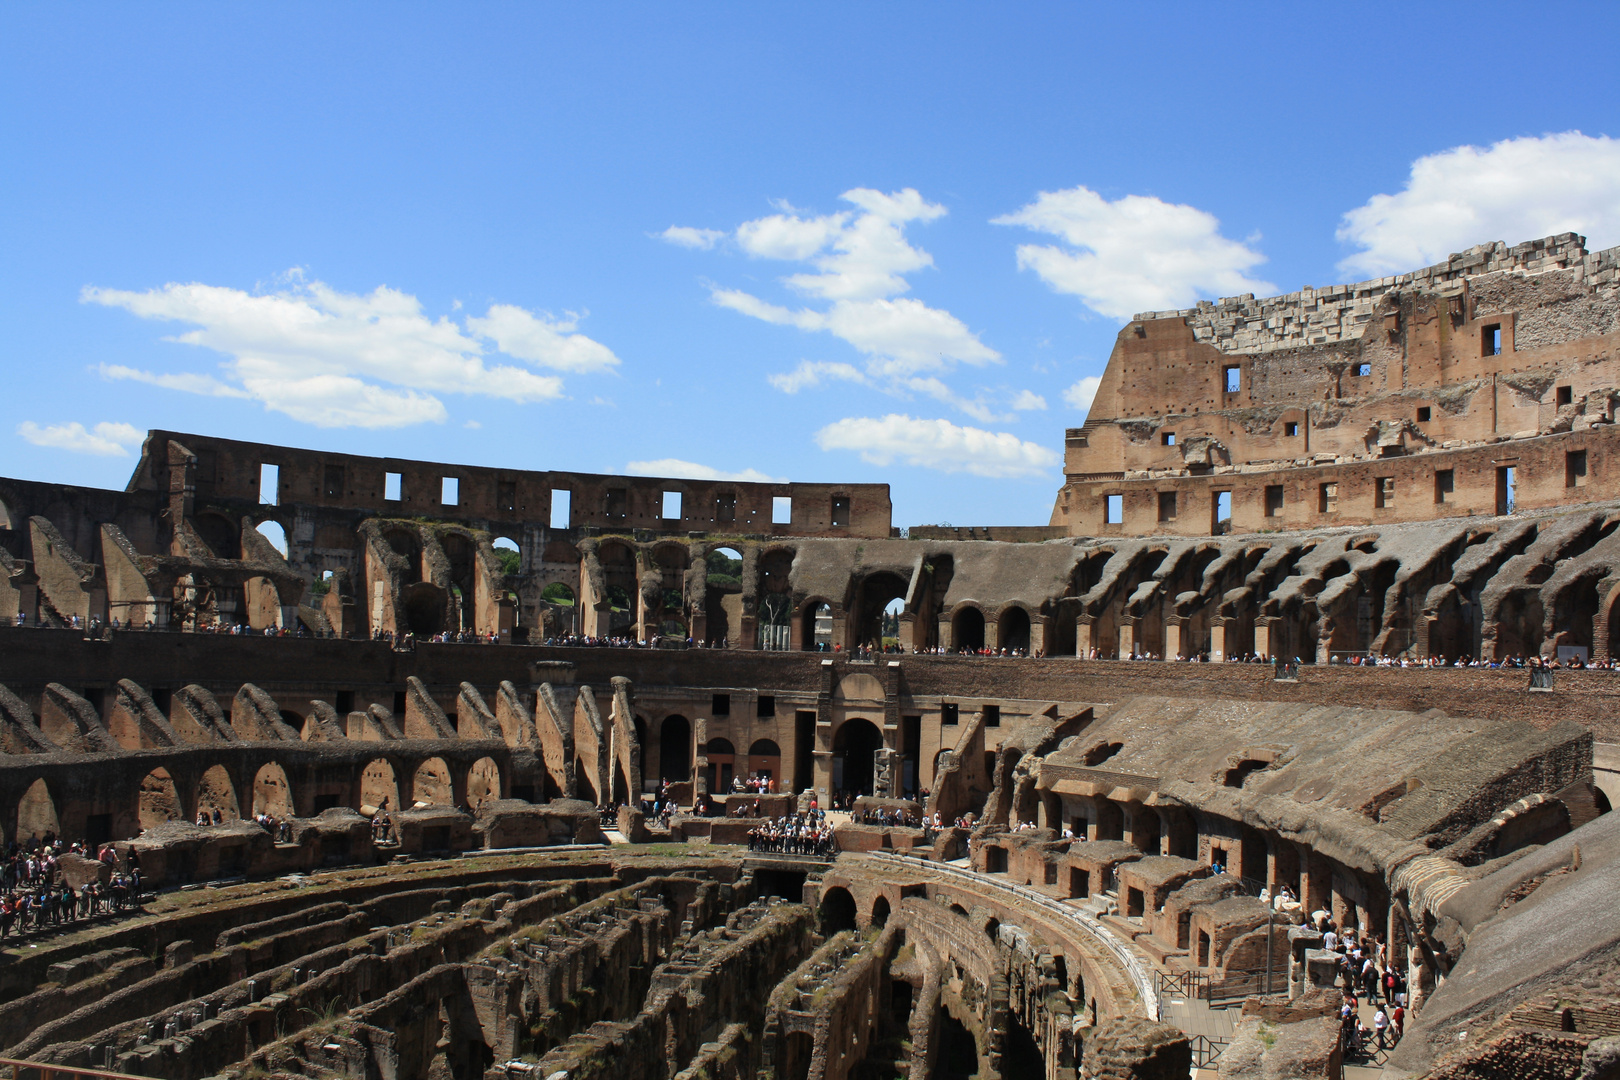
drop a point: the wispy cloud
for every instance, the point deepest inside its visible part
(937, 444)
(336, 359)
(1083, 392)
(688, 237)
(676, 469)
(105, 439)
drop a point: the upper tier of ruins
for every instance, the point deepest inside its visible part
(1468, 388)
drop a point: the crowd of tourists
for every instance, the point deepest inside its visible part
(798, 834)
(35, 896)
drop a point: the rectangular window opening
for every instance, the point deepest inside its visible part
(1221, 512)
(270, 485)
(1575, 468)
(1233, 374)
(1384, 493)
(1445, 483)
(1291, 429)
(781, 510)
(1168, 438)
(1423, 414)
(1363, 370)
(725, 507)
(393, 486)
(1327, 500)
(1504, 489)
(992, 716)
(948, 714)
(1114, 511)
(1167, 506)
(561, 508)
(449, 491)
(1274, 500)
(840, 510)
(1490, 340)
(1566, 396)
(765, 705)
(332, 481)
(672, 506)
(720, 704)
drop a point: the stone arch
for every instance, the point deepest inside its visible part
(1519, 624)
(855, 746)
(765, 757)
(483, 781)
(880, 910)
(675, 748)
(36, 812)
(873, 595)
(159, 800)
(461, 552)
(217, 791)
(816, 624)
(274, 533)
(431, 783)
(272, 793)
(425, 605)
(967, 627)
(379, 786)
(722, 600)
(1013, 628)
(837, 910)
(407, 545)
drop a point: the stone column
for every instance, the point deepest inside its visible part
(1127, 636)
(1082, 635)
(1174, 630)
(908, 632)
(1262, 634)
(1217, 639)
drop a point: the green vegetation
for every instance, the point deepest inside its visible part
(511, 561)
(724, 571)
(558, 593)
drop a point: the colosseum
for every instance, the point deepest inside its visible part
(1293, 729)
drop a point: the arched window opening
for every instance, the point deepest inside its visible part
(431, 786)
(379, 788)
(1012, 633)
(722, 600)
(160, 801)
(483, 782)
(880, 911)
(36, 814)
(837, 911)
(509, 554)
(216, 792)
(273, 532)
(272, 794)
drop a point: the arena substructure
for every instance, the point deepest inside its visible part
(1118, 883)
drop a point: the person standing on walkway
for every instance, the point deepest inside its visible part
(1381, 1025)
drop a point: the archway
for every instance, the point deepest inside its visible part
(880, 911)
(765, 760)
(722, 600)
(509, 555)
(36, 814)
(967, 629)
(483, 782)
(272, 794)
(431, 783)
(379, 788)
(424, 609)
(1012, 631)
(891, 624)
(273, 532)
(675, 749)
(722, 764)
(561, 617)
(215, 791)
(159, 800)
(817, 630)
(855, 744)
(837, 911)
(408, 546)
(873, 597)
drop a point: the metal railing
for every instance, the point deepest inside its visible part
(1189, 984)
(39, 1070)
(1206, 1050)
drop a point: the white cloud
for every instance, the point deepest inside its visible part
(1135, 254)
(188, 382)
(1028, 401)
(1514, 190)
(937, 444)
(812, 373)
(1082, 393)
(687, 237)
(676, 469)
(105, 439)
(336, 359)
(859, 260)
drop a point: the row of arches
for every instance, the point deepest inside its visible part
(159, 798)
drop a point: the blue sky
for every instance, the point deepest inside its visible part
(817, 242)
